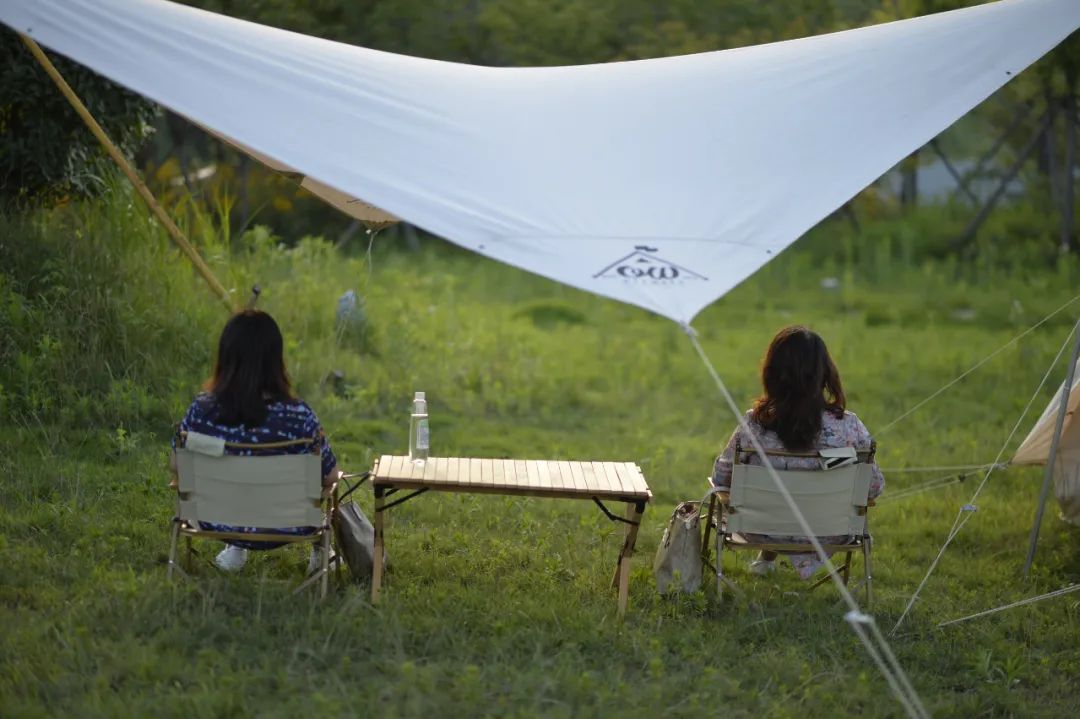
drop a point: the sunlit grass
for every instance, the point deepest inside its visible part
(500, 606)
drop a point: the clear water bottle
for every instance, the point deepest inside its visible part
(419, 434)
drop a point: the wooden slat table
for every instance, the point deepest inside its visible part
(596, 481)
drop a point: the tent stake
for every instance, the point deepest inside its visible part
(174, 232)
(1066, 390)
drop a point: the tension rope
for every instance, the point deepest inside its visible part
(967, 510)
(976, 366)
(1022, 602)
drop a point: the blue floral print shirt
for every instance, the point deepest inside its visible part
(284, 421)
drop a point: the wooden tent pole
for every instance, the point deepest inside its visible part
(1051, 459)
(174, 232)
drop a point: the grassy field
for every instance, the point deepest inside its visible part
(495, 606)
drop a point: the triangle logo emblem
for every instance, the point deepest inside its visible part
(643, 264)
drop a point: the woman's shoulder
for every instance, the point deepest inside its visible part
(292, 407)
(203, 404)
(848, 426)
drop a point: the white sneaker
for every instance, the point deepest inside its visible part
(231, 559)
(315, 563)
(762, 567)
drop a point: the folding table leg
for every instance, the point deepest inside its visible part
(618, 564)
(377, 568)
(633, 513)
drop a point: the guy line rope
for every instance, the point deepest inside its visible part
(946, 480)
(967, 510)
(976, 366)
(1022, 602)
(863, 624)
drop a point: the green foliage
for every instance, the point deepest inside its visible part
(45, 149)
(106, 333)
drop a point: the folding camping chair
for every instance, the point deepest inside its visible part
(261, 490)
(833, 502)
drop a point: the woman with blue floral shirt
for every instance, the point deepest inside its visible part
(802, 408)
(250, 400)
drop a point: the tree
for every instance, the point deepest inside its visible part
(45, 149)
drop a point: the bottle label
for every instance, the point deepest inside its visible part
(422, 435)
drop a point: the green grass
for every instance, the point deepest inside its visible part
(499, 606)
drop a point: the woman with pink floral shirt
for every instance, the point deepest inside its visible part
(802, 408)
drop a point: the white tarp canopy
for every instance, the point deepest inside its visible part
(1035, 449)
(662, 183)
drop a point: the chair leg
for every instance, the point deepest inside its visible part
(187, 554)
(719, 565)
(175, 535)
(847, 567)
(867, 570)
(325, 564)
(708, 528)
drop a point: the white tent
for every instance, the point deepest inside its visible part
(662, 183)
(1035, 449)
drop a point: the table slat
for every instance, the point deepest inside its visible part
(510, 471)
(591, 483)
(440, 469)
(559, 477)
(534, 473)
(631, 476)
(567, 473)
(602, 479)
(608, 468)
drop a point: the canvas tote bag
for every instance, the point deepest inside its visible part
(355, 535)
(677, 566)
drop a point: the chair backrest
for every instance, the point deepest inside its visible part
(274, 491)
(833, 501)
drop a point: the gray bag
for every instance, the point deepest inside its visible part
(355, 536)
(677, 565)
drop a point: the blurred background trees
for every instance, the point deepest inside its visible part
(1019, 146)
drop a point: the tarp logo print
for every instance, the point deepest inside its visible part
(643, 265)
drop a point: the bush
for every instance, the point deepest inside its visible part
(45, 149)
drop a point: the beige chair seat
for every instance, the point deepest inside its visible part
(833, 503)
(266, 489)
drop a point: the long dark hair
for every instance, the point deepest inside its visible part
(800, 382)
(249, 372)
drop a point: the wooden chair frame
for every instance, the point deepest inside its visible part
(716, 520)
(323, 535)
